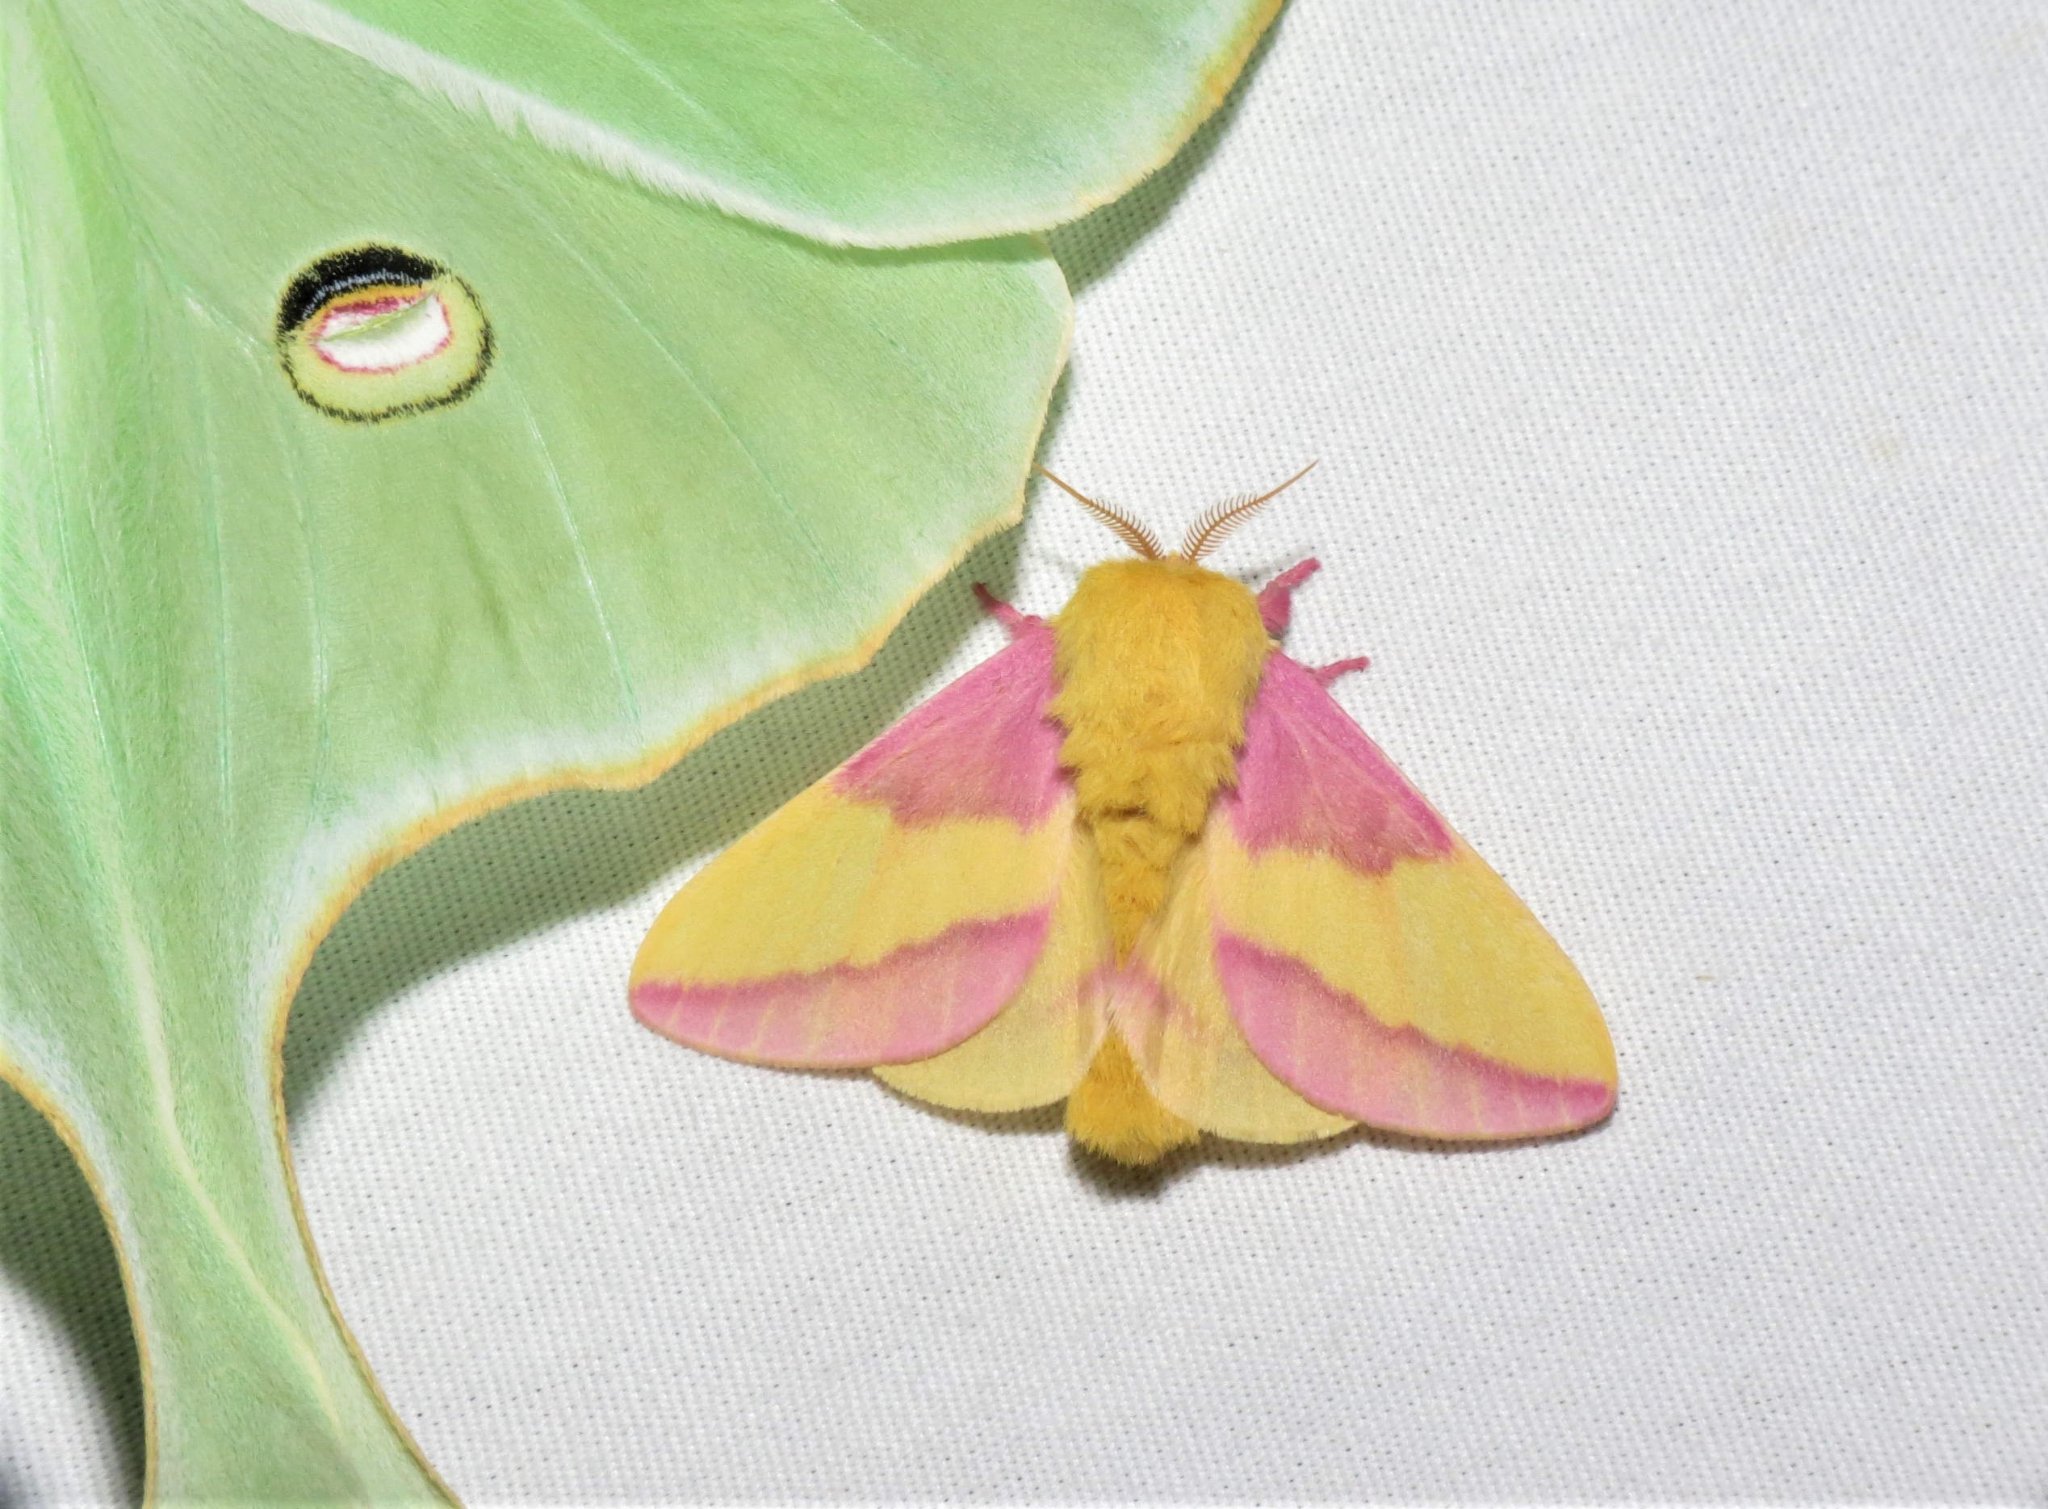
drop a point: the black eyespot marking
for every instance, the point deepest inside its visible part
(373, 332)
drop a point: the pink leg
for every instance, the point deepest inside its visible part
(1276, 602)
(1003, 613)
(1328, 673)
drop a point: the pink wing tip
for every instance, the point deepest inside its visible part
(654, 1001)
(982, 747)
(1276, 600)
(1308, 778)
(1002, 612)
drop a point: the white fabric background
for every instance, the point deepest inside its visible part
(1680, 377)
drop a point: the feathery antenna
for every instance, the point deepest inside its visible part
(1216, 523)
(1130, 531)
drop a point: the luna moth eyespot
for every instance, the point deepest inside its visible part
(374, 331)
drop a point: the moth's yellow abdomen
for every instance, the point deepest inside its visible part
(1112, 1113)
(1157, 664)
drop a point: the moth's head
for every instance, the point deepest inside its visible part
(1171, 597)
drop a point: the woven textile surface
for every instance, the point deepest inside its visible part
(1680, 381)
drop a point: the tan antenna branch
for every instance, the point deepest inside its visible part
(1129, 530)
(1216, 523)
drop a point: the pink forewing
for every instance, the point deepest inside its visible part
(985, 746)
(1308, 779)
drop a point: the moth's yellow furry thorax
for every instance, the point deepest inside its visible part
(1157, 664)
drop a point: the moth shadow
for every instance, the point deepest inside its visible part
(1115, 1181)
(1118, 1181)
(57, 1250)
(1109, 1180)
(1089, 248)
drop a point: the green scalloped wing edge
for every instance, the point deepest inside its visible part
(866, 122)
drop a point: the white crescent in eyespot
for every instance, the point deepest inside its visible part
(383, 333)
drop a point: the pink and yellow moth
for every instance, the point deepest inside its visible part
(1140, 861)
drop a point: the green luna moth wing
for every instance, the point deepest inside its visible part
(365, 462)
(874, 122)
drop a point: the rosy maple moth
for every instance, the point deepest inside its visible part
(1140, 860)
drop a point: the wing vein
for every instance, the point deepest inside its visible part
(223, 638)
(687, 372)
(838, 8)
(627, 696)
(644, 65)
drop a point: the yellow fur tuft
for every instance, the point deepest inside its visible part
(1158, 661)
(1113, 1114)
